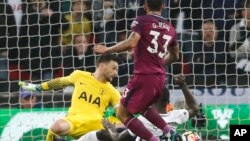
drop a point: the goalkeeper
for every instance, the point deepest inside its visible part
(93, 93)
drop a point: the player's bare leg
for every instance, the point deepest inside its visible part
(123, 136)
(111, 129)
(126, 136)
(99, 135)
(60, 128)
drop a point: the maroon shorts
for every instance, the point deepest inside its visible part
(142, 91)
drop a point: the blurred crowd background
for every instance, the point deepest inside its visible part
(44, 39)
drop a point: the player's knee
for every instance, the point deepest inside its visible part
(60, 127)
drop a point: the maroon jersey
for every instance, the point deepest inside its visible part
(156, 35)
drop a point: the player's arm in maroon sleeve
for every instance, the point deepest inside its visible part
(125, 45)
(173, 54)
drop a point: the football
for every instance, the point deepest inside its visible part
(190, 136)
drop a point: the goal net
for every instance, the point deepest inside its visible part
(44, 39)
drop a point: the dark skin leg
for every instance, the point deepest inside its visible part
(125, 136)
(103, 135)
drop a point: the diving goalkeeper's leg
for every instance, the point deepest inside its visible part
(60, 128)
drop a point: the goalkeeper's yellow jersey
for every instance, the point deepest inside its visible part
(90, 97)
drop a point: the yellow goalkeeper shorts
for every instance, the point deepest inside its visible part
(80, 126)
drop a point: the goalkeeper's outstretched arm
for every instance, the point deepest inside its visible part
(57, 83)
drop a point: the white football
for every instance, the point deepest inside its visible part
(190, 136)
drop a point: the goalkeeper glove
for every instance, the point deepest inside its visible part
(30, 87)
